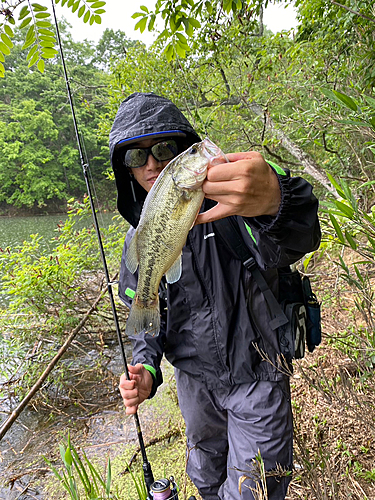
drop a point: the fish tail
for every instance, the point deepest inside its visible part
(142, 318)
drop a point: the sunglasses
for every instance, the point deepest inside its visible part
(161, 151)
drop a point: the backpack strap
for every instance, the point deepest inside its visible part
(230, 234)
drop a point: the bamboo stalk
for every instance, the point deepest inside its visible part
(15, 414)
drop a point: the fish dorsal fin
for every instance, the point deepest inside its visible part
(132, 260)
(174, 272)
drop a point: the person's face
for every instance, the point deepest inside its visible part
(149, 172)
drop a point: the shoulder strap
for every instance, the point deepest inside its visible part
(230, 234)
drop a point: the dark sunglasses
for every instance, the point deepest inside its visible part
(161, 151)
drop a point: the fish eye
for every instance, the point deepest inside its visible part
(193, 151)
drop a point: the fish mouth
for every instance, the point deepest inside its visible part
(213, 153)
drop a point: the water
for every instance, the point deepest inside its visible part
(15, 230)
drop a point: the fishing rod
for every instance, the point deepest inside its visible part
(147, 471)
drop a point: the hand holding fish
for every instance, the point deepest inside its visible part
(247, 186)
(137, 389)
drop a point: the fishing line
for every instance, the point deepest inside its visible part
(149, 479)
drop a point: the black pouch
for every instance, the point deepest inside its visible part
(314, 329)
(292, 336)
(302, 309)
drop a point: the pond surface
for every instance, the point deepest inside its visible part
(15, 230)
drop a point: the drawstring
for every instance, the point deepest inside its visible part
(132, 187)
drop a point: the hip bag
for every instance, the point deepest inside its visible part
(296, 317)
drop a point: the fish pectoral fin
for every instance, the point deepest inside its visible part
(131, 259)
(174, 272)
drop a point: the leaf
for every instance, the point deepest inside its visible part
(181, 38)
(48, 38)
(330, 94)
(8, 42)
(144, 8)
(96, 5)
(2, 58)
(336, 185)
(68, 459)
(38, 8)
(370, 101)
(31, 52)
(141, 25)
(194, 22)
(345, 99)
(180, 50)
(41, 65)
(337, 229)
(351, 240)
(25, 22)
(27, 44)
(4, 49)
(33, 60)
(357, 123)
(81, 11)
(358, 273)
(98, 19)
(169, 51)
(48, 53)
(86, 17)
(344, 209)
(46, 44)
(365, 184)
(109, 478)
(8, 30)
(43, 24)
(75, 6)
(42, 15)
(24, 12)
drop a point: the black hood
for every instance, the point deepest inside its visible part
(138, 116)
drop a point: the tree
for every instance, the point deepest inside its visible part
(48, 94)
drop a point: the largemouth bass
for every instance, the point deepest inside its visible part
(168, 214)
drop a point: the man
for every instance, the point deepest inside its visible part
(215, 329)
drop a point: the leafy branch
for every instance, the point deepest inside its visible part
(181, 18)
(35, 20)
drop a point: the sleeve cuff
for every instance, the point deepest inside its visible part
(155, 383)
(266, 223)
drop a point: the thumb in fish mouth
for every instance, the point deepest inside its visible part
(219, 211)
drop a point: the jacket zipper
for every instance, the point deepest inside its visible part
(211, 302)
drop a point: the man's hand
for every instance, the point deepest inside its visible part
(246, 186)
(137, 389)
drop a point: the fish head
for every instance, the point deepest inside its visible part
(189, 169)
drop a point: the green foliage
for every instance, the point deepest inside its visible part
(35, 21)
(80, 478)
(183, 18)
(40, 166)
(353, 228)
(47, 283)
